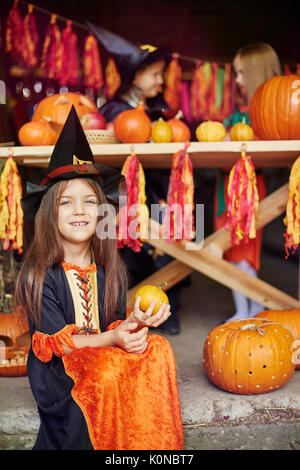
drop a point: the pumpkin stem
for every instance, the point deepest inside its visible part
(244, 120)
(179, 115)
(160, 286)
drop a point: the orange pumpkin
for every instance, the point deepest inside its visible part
(275, 109)
(133, 125)
(249, 356)
(14, 334)
(149, 293)
(161, 131)
(180, 131)
(289, 318)
(37, 133)
(56, 108)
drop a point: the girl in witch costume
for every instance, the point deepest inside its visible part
(94, 374)
(253, 65)
(141, 69)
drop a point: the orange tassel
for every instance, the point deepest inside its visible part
(52, 51)
(31, 39)
(172, 91)
(112, 78)
(178, 223)
(227, 105)
(70, 62)
(15, 33)
(133, 218)
(11, 214)
(243, 201)
(93, 75)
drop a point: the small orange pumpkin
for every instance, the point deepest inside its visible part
(133, 125)
(149, 293)
(241, 132)
(289, 318)
(249, 356)
(37, 133)
(161, 131)
(180, 131)
(14, 333)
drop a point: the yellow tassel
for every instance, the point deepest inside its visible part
(292, 219)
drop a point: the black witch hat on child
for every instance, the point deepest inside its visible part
(129, 57)
(72, 158)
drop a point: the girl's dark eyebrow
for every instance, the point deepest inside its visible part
(70, 197)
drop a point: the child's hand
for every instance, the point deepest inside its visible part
(146, 318)
(130, 340)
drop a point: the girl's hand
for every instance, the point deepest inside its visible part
(146, 318)
(126, 337)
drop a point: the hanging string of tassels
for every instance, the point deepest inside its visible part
(70, 61)
(243, 201)
(178, 221)
(112, 78)
(292, 219)
(92, 70)
(11, 213)
(133, 217)
(52, 51)
(172, 91)
(31, 39)
(15, 33)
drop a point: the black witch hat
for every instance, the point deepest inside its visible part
(128, 56)
(71, 158)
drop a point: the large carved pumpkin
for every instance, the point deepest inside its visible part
(290, 318)
(275, 109)
(14, 344)
(249, 356)
(56, 108)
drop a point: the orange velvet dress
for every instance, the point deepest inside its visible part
(129, 401)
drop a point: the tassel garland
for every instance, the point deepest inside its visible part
(112, 78)
(93, 76)
(133, 218)
(15, 33)
(11, 213)
(31, 39)
(52, 51)
(243, 201)
(292, 219)
(178, 222)
(172, 93)
(70, 62)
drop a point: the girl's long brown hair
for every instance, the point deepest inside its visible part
(45, 251)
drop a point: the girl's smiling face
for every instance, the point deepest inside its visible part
(149, 79)
(77, 211)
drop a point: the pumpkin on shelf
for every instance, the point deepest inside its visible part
(161, 131)
(148, 293)
(241, 131)
(14, 344)
(249, 356)
(210, 131)
(133, 125)
(289, 318)
(275, 108)
(37, 133)
(180, 131)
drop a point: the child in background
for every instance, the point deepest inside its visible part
(253, 65)
(95, 374)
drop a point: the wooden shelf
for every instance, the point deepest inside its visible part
(269, 153)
